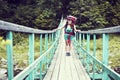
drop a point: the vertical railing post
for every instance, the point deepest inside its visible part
(31, 54)
(10, 55)
(83, 40)
(83, 44)
(52, 43)
(88, 42)
(40, 55)
(80, 40)
(57, 32)
(55, 35)
(54, 40)
(76, 37)
(94, 54)
(46, 47)
(105, 55)
(88, 50)
(46, 42)
(48, 38)
(49, 56)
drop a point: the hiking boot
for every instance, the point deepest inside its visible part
(68, 54)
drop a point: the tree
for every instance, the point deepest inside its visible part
(42, 14)
(94, 14)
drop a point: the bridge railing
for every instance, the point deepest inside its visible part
(35, 68)
(96, 69)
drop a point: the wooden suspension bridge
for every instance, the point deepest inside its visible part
(80, 65)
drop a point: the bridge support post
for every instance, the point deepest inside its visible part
(94, 54)
(46, 47)
(31, 54)
(53, 39)
(49, 56)
(10, 55)
(80, 39)
(40, 55)
(52, 42)
(84, 55)
(88, 50)
(80, 56)
(105, 55)
(77, 35)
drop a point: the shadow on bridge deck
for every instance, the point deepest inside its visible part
(65, 67)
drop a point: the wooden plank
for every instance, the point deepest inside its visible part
(9, 47)
(31, 54)
(57, 66)
(20, 28)
(62, 73)
(75, 61)
(73, 67)
(53, 71)
(66, 67)
(81, 70)
(52, 66)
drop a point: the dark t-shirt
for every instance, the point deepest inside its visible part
(69, 30)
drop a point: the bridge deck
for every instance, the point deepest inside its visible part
(65, 67)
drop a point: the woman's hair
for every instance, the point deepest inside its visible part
(72, 25)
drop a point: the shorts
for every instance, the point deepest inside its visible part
(68, 37)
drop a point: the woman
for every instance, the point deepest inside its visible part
(69, 32)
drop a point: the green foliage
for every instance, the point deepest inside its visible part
(2, 46)
(21, 48)
(48, 16)
(45, 14)
(114, 50)
(95, 14)
(45, 18)
(25, 15)
(31, 13)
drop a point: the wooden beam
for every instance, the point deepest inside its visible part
(31, 54)
(10, 55)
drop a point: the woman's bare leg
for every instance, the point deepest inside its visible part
(66, 46)
(69, 46)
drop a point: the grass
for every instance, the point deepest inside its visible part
(114, 56)
(21, 49)
(114, 50)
